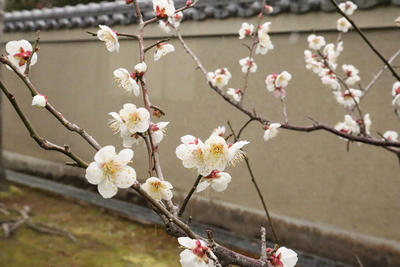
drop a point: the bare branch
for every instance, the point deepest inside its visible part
(39, 140)
(189, 195)
(70, 126)
(157, 43)
(366, 40)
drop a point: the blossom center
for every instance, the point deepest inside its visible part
(22, 56)
(200, 251)
(217, 149)
(110, 168)
(134, 118)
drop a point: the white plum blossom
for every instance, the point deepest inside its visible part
(217, 154)
(277, 83)
(219, 78)
(176, 19)
(195, 253)
(213, 154)
(109, 37)
(351, 74)
(130, 121)
(235, 93)
(163, 8)
(124, 80)
(19, 53)
(158, 131)
(246, 30)
(343, 25)
(220, 131)
(348, 7)
(140, 68)
(367, 123)
(331, 81)
(39, 101)
(190, 152)
(348, 126)
(396, 93)
(109, 171)
(264, 40)
(348, 98)
(158, 189)
(163, 49)
(218, 180)
(315, 42)
(248, 65)
(164, 26)
(391, 136)
(271, 131)
(283, 257)
(312, 62)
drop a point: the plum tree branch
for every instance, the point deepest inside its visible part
(366, 40)
(189, 195)
(43, 143)
(70, 126)
(308, 128)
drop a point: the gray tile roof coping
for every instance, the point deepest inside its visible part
(118, 13)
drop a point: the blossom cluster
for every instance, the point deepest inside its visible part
(210, 158)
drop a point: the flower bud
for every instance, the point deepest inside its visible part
(39, 101)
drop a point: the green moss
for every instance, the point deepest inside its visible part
(13, 191)
(104, 240)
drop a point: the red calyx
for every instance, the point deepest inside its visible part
(188, 2)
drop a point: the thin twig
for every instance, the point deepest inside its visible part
(379, 74)
(253, 180)
(366, 39)
(155, 44)
(308, 128)
(39, 140)
(134, 36)
(34, 48)
(284, 112)
(189, 195)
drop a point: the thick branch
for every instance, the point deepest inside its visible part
(39, 140)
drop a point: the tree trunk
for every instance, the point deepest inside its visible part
(3, 182)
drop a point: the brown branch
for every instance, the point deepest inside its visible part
(189, 195)
(253, 180)
(263, 121)
(155, 44)
(70, 126)
(379, 74)
(147, 103)
(178, 228)
(366, 40)
(134, 36)
(38, 139)
(251, 50)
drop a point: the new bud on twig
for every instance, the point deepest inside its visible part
(188, 2)
(128, 2)
(269, 9)
(39, 101)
